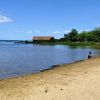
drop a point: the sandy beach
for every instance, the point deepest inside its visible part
(77, 81)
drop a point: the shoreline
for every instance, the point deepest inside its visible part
(74, 81)
(50, 68)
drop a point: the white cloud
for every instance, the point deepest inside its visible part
(26, 32)
(56, 32)
(83, 30)
(4, 19)
(66, 32)
(37, 32)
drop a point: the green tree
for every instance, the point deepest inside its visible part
(96, 34)
(65, 37)
(26, 41)
(83, 36)
(90, 36)
(72, 36)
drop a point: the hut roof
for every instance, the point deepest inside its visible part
(42, 37)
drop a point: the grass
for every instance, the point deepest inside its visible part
(71, 43)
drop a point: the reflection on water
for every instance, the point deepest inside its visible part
(23, 59)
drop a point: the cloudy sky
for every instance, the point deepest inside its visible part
(22, 19)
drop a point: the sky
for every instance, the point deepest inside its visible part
(23, 19)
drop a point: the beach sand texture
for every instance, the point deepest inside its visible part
(77, 81)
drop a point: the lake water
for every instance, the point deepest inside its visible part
(22, 59)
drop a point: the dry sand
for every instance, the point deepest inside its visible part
(78, 81)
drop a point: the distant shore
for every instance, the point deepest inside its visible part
(76, 81)
(69, 43)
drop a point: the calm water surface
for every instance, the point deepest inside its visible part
(21, 59)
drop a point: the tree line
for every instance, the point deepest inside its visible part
(84, 36)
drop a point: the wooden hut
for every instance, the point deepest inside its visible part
(42, 38)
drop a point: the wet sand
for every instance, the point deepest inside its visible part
(77, 81)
